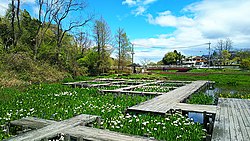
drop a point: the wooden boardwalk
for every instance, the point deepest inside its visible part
(93, 134)
(195, 108)
(32, 122)
(165, 102)
(232, 120)
(54, 128)
(71, 129)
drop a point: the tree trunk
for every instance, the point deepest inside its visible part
(13, 21)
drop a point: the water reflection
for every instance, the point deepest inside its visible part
(197, 117)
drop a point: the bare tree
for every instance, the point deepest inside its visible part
(45, 14)
(119, 43)
(17, 15)
(58, 11)
(122, 47)
(219, 46)
(223, 45)
(13, 21)
(15, 11)
(145, 62)
(65, 7)
(228, 44)
(103, 39)
(82, 41)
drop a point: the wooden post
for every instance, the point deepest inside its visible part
(44, 139)
(67, 137)
(98, 120)
(79, 138)
(205, 120)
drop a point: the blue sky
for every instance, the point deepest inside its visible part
(159, 26)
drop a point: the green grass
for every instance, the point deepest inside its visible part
(217, 70)
(230, 79)
(237, 95)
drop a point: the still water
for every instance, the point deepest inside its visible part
(214, 91)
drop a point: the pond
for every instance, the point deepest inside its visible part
(221, 91)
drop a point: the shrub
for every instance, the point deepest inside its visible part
(245, 63)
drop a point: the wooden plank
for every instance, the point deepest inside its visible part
(165, 102)
(225, 121)
(32, 122)
(241, 120)
(233, 124)
(231, 121)
(218, 131)
(236, 117)
(109, 79)
(131, 92)
(142, 93)
(140, 85)
(196, 108)
(55, 128)
(246, 110)
(94, 134)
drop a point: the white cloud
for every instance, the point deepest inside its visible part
(129, 2)
(139, 10)
(211, 20)
(146, 2)
(222, 18)
(4, 5)
(167, 19)
(139, 6)
(28, 1)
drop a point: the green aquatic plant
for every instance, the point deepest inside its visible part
(201, 98)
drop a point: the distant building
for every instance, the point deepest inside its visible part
(195, 61)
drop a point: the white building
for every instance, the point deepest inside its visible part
(195, 61)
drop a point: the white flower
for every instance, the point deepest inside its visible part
(128, 116)
(9, 114)
(205, 130)
(145, 123)
(155, 129)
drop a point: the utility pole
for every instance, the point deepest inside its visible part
(209, 57)
(132, 53)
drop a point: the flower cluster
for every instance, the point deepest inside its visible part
(159, 127)
(153, 89)
(57, 102)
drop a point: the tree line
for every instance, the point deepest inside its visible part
(223, 54)
(60, 36)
